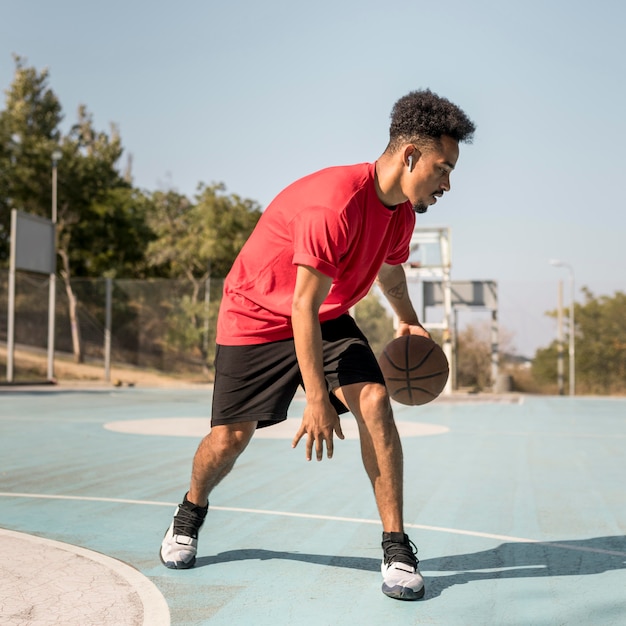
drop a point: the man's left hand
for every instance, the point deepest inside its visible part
(412, 329)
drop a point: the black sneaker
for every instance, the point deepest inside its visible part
(180, 544)
(401, 576)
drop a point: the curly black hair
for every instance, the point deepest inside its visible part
(424, 117)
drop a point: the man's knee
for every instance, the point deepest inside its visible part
(368, 401)
(232, 439)
(375, 401)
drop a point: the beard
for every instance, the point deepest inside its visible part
(420, 207)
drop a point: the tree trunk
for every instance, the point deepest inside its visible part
(77, 344)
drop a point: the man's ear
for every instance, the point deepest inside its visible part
(411, 156)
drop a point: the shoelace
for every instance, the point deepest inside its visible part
(396, 552)
(187, 522)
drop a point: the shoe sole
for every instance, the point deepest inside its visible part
(403, 593)
(177, 564)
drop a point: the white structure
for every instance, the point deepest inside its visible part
(433, 262)
(468, 295)
(33, 250)
(430, 263)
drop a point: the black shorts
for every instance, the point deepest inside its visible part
(258, 382)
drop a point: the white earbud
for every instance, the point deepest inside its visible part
(410, 162)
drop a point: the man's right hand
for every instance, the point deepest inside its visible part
(319, 422)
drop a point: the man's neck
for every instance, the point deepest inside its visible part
(387, 178)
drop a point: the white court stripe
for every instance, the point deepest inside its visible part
(47, 496)
(331, 518)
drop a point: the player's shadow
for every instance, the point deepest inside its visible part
(506, 561)
(526, 560)
(252, 554)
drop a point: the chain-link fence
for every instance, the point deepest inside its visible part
(157, 324)
(160, 324)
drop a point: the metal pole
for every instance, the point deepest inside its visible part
(107, 329)
(559, 334)
(455, 349)
(11, 308)
(207, 301)
(56, 155)
(444, 246)
(572, 338)
(572, 333)
(51, 308)
(11, 326)
(495, 350)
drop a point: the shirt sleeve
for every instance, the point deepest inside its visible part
(320, 239)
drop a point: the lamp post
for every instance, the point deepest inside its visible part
(559, 335)
(572, 344)
(56, 157)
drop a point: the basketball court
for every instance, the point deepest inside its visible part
(516, 504)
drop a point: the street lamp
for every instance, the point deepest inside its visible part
(56, 157)
(572, 366)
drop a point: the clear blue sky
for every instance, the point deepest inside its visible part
(257, 94)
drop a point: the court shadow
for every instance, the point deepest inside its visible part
(348, 562)
(506, 561)
(526, 560)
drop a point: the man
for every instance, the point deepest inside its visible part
(283, 322)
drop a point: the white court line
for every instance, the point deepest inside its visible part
(155, 609)
(331, 518)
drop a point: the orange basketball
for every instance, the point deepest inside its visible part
(415, 369)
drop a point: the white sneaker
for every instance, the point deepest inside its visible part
(180, 543)
(401, 576)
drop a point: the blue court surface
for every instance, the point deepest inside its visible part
(517, 505)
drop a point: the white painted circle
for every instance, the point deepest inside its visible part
(200, 426)
(50, 582)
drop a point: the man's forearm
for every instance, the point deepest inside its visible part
(307, 336)
(392, 281)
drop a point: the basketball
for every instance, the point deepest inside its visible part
(415, 369)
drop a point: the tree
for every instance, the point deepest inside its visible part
(600, 346)
(88, 179)
(195, 242)
(101, 221)
(114, 242)
(544, 367)
(29, 134)
(375, 321)
(601, 343)
(473, 355)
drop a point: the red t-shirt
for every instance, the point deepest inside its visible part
(332, 221)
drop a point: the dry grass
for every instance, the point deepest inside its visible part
(30, 366)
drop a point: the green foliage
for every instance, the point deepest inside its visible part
(201, 239)
(544, 367)
(600, 347)
(105, 227)
(101, 220)
(28, 135)
(182, 329)
(195, 242)
(375, 322)
(113, 240)
(601, 343)
(191, 325)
